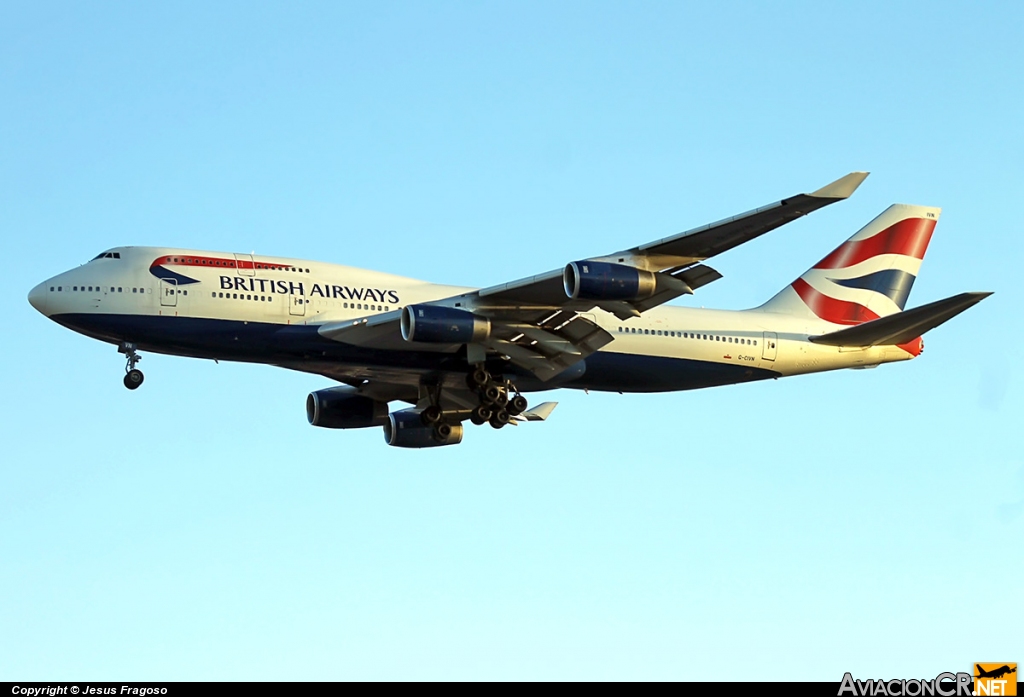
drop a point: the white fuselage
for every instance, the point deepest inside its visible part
(192, 303)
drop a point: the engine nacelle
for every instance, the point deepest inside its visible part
(434, 324)
(337, 407)
(599, 280)
(405, 429)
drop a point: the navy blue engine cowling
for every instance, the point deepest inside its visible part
(599, 280)
(337, 407)
(405, 429)
(434, 324)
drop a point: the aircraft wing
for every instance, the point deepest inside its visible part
(541, 323)
(545, 341)
(675, 257)
(707, 241)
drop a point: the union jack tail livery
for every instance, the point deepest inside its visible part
(868, 276)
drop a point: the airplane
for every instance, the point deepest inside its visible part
(995, 673)
(451, 354)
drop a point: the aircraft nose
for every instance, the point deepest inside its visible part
(37, 298)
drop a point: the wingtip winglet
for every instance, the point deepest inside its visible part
(842, 187)
(540, 412)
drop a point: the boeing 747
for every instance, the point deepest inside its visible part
(449, 354)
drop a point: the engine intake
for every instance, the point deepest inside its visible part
(599, 280)
(405, 429)
(433, 324)
(339, 408)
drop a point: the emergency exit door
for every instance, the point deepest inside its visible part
(244, 265)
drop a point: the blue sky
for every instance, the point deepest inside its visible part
(199, 528)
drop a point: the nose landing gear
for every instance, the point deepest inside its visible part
(133, 377)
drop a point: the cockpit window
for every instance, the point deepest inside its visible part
(107, 255)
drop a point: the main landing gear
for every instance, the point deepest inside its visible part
(133, 376)
(433, 416)
(496, 407)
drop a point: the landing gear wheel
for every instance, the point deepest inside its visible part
(491, 394)
(478, 378)
(133, 379)
(502, 401)
(517, 405)
(442, 431)
(480, 415)
(431, 415)
(499, 418)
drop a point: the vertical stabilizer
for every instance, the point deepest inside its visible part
(868, 276)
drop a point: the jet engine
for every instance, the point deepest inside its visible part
(434, 324)
(599, 280)
(405, 429)
(337, 407)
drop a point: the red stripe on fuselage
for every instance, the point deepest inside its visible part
(831, 309)
(217, 262)
(908, 237)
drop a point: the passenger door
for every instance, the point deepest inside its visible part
(296, 305)
(768, 349)
(168, 292)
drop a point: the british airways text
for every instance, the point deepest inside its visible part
(265, 285)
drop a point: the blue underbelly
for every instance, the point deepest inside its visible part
(623, 372)
(290, 345)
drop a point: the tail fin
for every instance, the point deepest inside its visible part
(868, 276)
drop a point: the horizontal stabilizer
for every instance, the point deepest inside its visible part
(904, 326)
